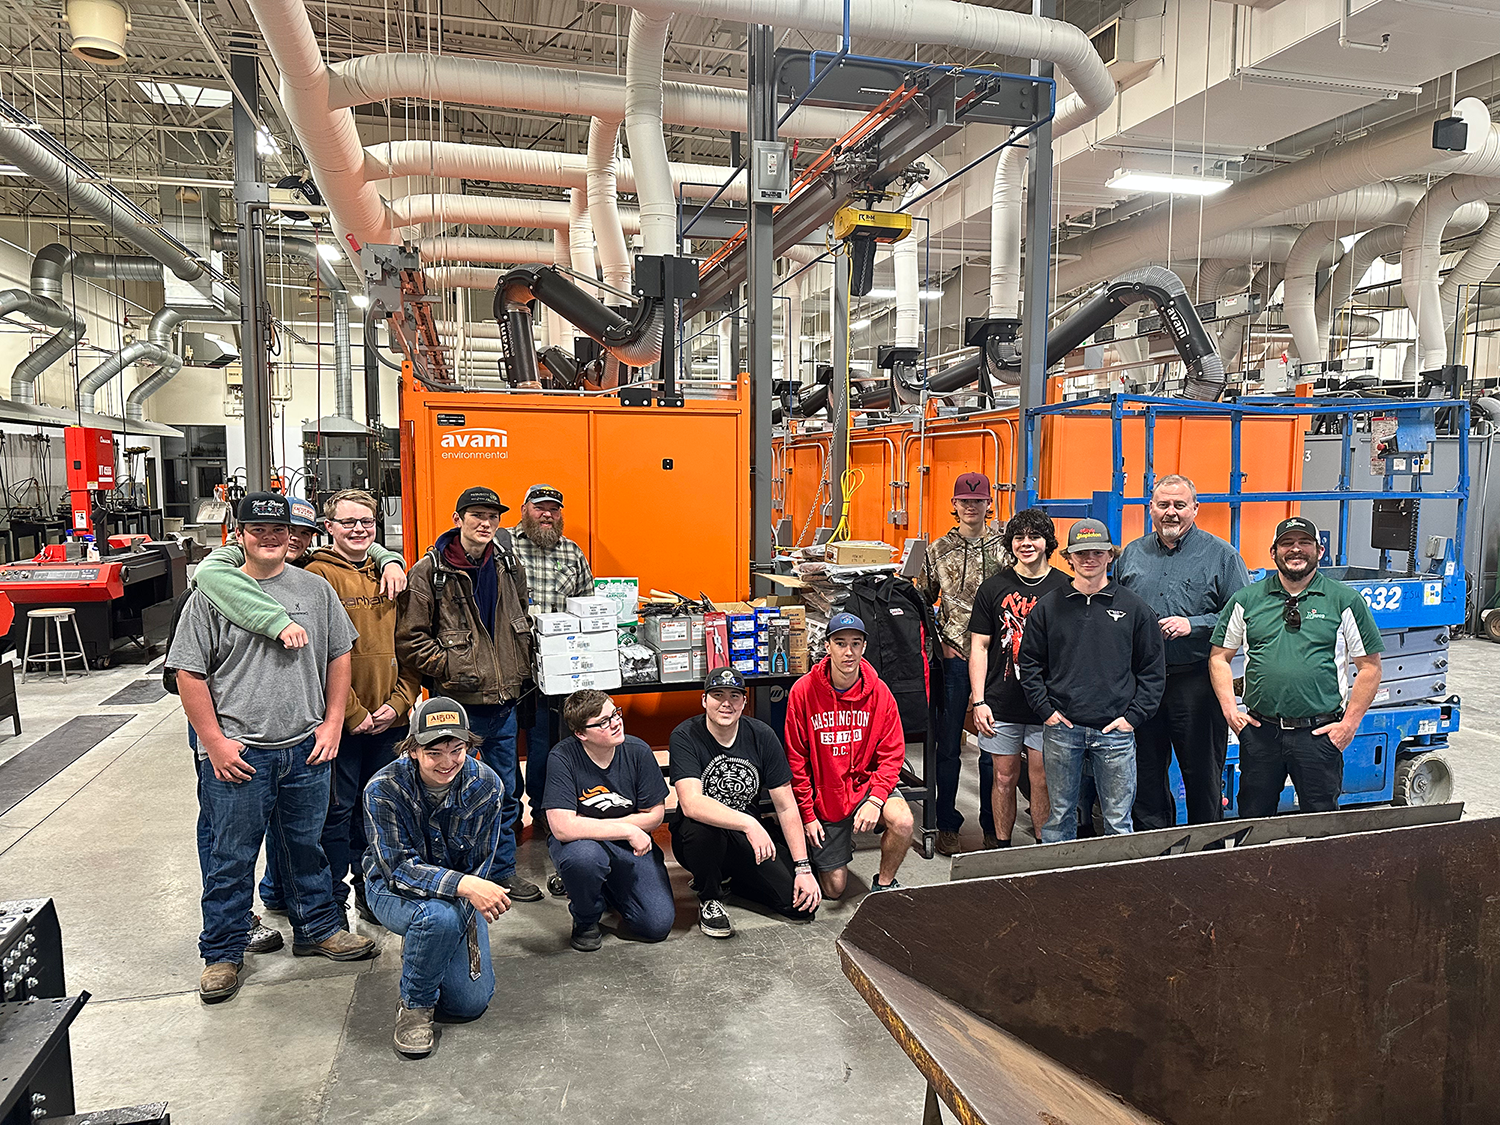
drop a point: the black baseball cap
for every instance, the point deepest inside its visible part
(479, 497)
(724, 679)
(1295, 523)
(264, 507)
(439, 718)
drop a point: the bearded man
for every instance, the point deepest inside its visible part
(556, 570)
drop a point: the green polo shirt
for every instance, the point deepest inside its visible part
(1296, 674)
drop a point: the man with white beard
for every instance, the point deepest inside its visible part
(556, 570)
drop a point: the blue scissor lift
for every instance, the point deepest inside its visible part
(1395, 756)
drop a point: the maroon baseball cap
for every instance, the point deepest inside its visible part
(972, 486)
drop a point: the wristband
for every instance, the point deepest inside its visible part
(803, 865)
(879, 804)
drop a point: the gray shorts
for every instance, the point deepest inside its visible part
(838, 845)
(1009, 738)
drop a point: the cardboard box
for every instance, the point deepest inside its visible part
(552, 624)
(625, 593)
(593, 607)
(799, 663)
(571, 663)
(676, 667)
(574, 642)
(597, 625)
(667, 634)
(860, 553)
(566, 685)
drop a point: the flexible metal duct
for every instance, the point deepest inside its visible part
(1318, 248)
(604, 204)
(1399, 150)
(42, 305)
(449, 159)
(545, 89)
(21, 148)
(155, 348)
(1421, 251)
(629, 340)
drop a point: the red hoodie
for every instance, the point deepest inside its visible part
(842, 748)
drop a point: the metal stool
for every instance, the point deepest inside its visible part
(55, 614)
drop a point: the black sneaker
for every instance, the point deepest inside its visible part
(521, 890)
(556, 887)
(712, 919)
(362, 908)
(263, 939)
(587, 939)
(877, 885)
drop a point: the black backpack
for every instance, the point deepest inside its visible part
(902, 645)
(168, 674)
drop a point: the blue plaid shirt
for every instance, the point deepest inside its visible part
(421, 852)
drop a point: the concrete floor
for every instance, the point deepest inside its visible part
(763, 1027)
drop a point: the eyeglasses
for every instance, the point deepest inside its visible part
(615, 716)
(1291, 616)
(349, 525)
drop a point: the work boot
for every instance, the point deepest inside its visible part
(521, 890)
(413, 1030)
(947, 843)
(263, 939)
(587, 939)
(219, 982)
(362, 907)
(341, 946)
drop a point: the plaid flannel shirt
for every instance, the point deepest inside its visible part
(422, 852)
(553, 576)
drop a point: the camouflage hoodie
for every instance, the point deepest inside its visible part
(951, 575)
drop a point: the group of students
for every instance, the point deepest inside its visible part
(1102, 678)
(298, 673)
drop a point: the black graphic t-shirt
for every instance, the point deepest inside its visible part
(735, 776)
(1000, 607)
(632, 782)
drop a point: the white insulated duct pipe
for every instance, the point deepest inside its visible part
(1253, 244)
(904, 261)
(1421, 253)
(1365, 206)
(645, 57)
(546, 89)
(727, 373)
(1005, 232)
(791, 330)
(1474, 268)
(559, 334)
(499, 211)
(1316, 249)
(511, 251)
(1398, 150)
(604, 204)
(462, 277)
(581, 237)
(448, 159)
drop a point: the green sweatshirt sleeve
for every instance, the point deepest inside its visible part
(238, 596)
(384, 557)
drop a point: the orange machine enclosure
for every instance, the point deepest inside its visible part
(649, 493)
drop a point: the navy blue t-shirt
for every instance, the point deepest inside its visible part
(631, 783)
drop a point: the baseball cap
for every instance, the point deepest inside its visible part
(841, 621)
(724, 679)
(264, 507)
(972, 486)
(1088, 535)
(440, 718)
(1295, 523)
(479, 497)
(303, 514)
(539, 492)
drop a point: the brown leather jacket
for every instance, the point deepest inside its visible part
(440, 633)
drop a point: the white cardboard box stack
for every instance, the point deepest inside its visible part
(576, 650)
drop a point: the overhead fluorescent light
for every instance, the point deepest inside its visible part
(328, 252)
(184, 93)
(1170, 183)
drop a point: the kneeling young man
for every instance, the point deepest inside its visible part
(433, 820)
(845, 746)
(722, 762)
(605, 796)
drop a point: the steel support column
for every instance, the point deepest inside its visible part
(760, 306)
(1036, 273)
(249, 195)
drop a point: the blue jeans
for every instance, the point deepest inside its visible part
(435, 952)
(360, 756)
(284, 803)
(1112, 760)
(495, 725)
(541, 735)
(603, 874)
(950, 748)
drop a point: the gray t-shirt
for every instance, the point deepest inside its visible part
(264, 694)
